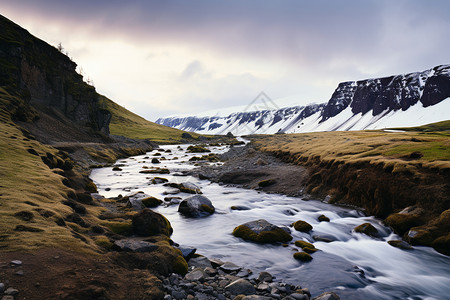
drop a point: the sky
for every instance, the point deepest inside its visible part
(160, 58)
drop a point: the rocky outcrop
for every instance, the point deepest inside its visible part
(46, 78)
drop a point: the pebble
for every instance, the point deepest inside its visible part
(16, 262)
(11, 291)
(208, 281)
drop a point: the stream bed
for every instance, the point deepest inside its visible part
(353, 265)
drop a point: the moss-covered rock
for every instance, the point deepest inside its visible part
(197, 149)
(91, 187)
(180, 266)
(158, 180)
(196, 206)
(400, 244)
(117, 169)
(261, 231)
(151, 202)
(103, 242)
(302, 226)
(302, 256)
(323, 218)
(401, 223)
(367, 229)
(419, 236)
(122, 228)
(148, 222)
(442, 244)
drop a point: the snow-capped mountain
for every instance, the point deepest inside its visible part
(396, 101)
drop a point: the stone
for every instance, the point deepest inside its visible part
(263, 287)
(196, 206)
(367, 229)
(302, 256)
(2, 287)
(323, 218)
(133, 245)
(325, 239)
(11, 291)
(155, 161)
(402, 222)
(167, 297)
(400, 244)
(195, 275)
(327, 296)
(255, 297)
(16, 262)
(302, 226)
(8, 297)
(135, 200)
(298, 296)
(189, 187)
(178, 295)
(240, 287)
(229, 267)
(265, 277)
(261, 231)
(187, 252)
(148, 223)
(201, 262)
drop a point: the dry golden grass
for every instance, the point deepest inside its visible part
(27, 184)
(391, 149)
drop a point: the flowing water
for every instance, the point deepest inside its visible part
(353, 265)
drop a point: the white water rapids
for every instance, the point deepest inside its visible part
(354, 265)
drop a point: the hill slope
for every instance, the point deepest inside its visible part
(125, 123)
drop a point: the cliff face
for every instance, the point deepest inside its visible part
(382, 95)
(46, 79)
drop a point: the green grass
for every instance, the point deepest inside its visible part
(439, 126)
(128, 124)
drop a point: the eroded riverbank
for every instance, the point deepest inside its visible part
(350, 263)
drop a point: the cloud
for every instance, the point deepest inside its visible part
(181, 55)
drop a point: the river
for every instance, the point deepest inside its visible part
(353, 265)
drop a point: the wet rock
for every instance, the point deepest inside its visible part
(327, 296)
(2, 287)
(200, 261)
(158, 180)
(298, 296)
(196, 206)
(135, 200)
(178, 295)
(151, 202)
(239, 207)
(325, 239)
(240, 287)
(229, 267)
(400, 244)
(367, 229)
(302, 226)
(135, 245)
(402, 222)
(265, 277)
(307, 247)
(323, 218)
(261, 231)
(155, 161)
(189, 187)
(302, 256)
(187, 252)
(148, 222)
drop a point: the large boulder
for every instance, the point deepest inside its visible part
(261, 231)
(148, 222)
(196, 206)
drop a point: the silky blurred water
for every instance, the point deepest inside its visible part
(354, 265)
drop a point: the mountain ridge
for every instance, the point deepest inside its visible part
(354, 105)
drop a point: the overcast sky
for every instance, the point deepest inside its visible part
(160, 58)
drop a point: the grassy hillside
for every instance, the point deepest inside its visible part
(128, 124)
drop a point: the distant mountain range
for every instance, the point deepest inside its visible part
(396, 101)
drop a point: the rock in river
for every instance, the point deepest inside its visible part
(148, 222)
(261, 231)
(196, 206)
